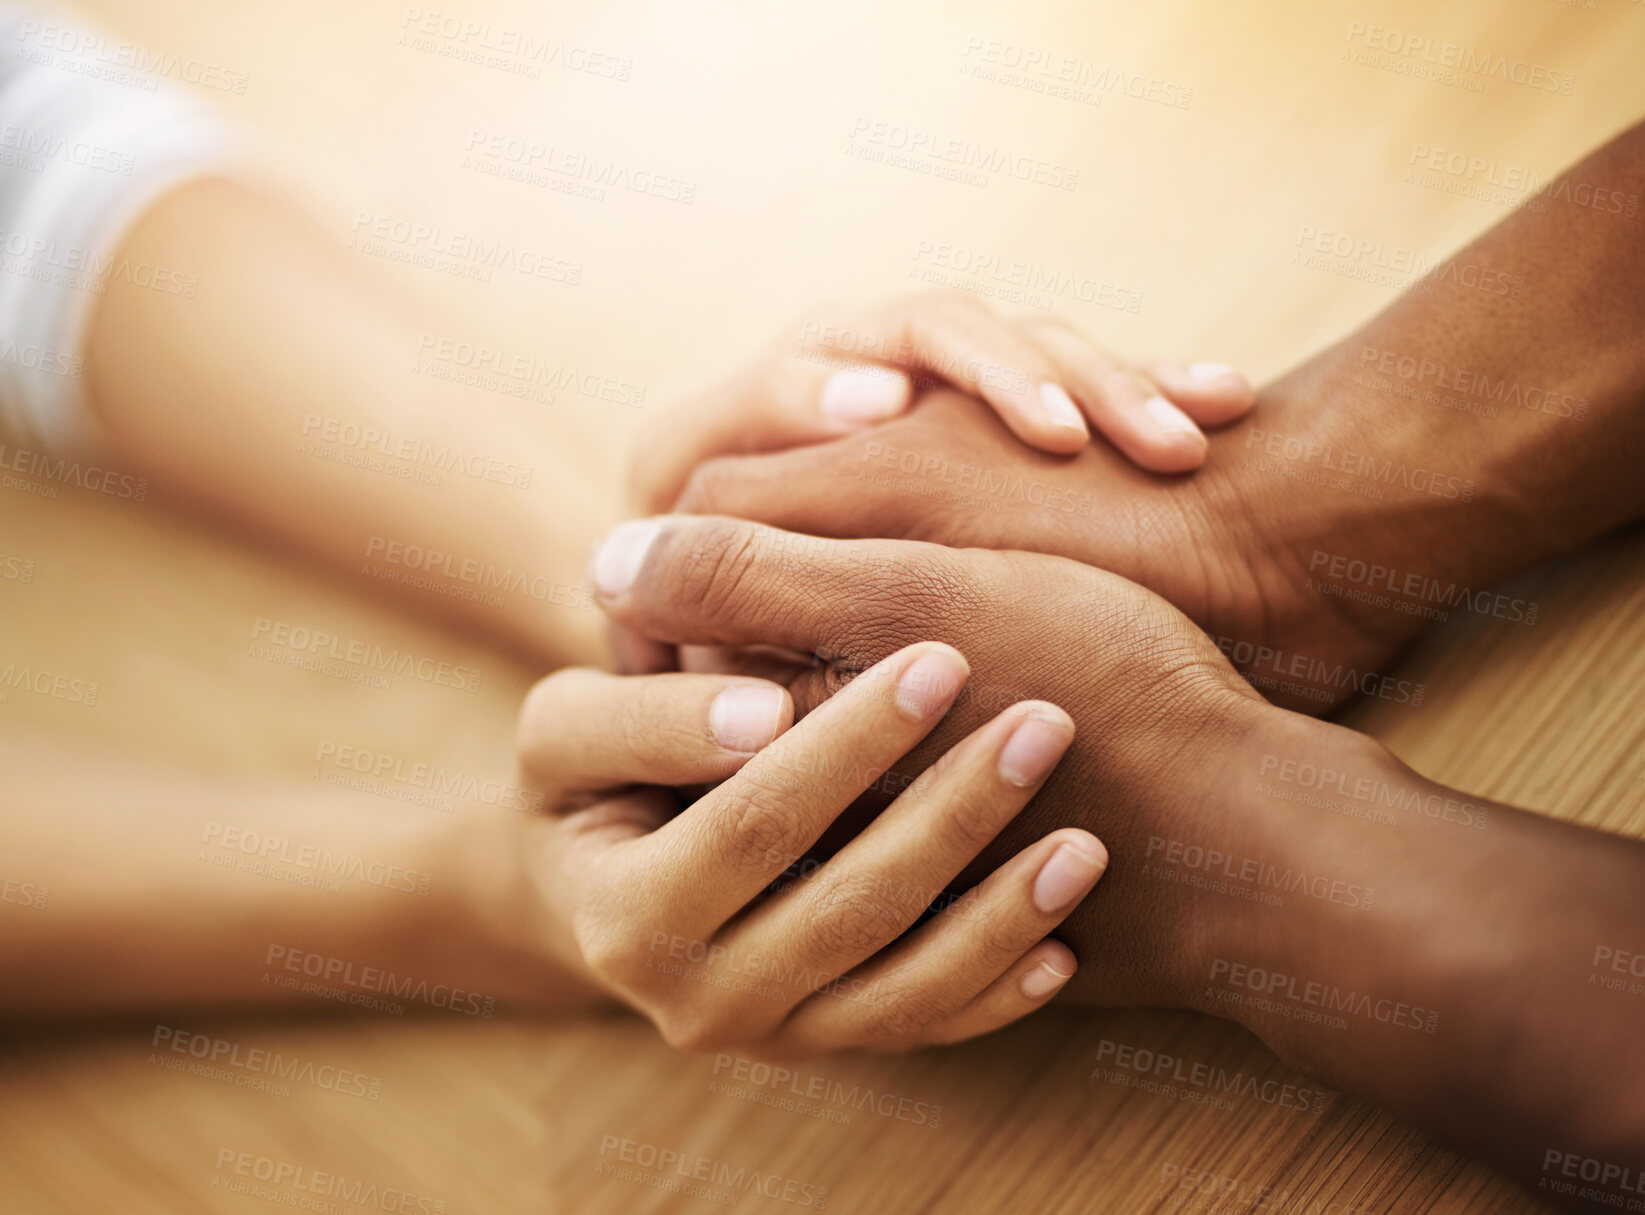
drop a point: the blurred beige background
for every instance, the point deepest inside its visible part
(1251, 125)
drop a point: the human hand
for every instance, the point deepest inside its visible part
(838, 373)
(678, 915)
(1163, 720)
(1232, 547)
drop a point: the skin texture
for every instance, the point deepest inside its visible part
(704, 922)
(1412, 938)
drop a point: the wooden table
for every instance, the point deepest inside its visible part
(1230, 132)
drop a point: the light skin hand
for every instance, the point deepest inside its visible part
(840, 370)
(706, 921)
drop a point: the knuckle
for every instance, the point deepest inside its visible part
(900, 1013)
(543, 706)
(708, 490)
(851, 917)
(722, 555)
(761, 824)
(610, 953)
(696, 1028)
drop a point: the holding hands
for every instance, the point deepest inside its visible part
(712, 921)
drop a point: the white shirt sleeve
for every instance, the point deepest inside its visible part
(86, 145)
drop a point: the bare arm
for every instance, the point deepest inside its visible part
(282, 394)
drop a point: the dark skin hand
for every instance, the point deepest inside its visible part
(1433, 952)
(1488, 419)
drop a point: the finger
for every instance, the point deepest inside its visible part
(1125, 406)
(782, 401)
(1029, 985)
(957, 338)
(959, 956)
(1213, 394)
(880, 883)
(632, 654)
(583, 730)
(693, 580)
(711, 860)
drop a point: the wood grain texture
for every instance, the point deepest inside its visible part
(1198, 207)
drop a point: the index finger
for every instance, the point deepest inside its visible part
(730, 845)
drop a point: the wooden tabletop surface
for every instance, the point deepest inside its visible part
(1207, 140)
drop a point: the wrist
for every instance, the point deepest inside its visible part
(502, 924)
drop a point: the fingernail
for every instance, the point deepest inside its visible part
(858, 396)
(1042, 981)
(744, 718)
(1211, 372)
(1033, 750)
(1168, 418)
(618, 560)
(1069, 873)
(1060, 408)
(930, 684)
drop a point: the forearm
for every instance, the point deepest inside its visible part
(285, 394)
(1461, 967)
(1491, 417)
(134, 888)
